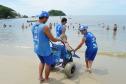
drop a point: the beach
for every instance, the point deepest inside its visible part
(24, 70)
(19, 63)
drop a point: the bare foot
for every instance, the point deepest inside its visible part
(89, 70)
(47, 80)
(41, 80)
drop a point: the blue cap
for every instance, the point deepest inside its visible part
(44, 14)
(83, 27)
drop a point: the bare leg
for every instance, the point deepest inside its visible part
(47, 72)
(90, 66)
(87, 66)
(41, 68)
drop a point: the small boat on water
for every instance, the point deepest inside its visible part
(31, 20)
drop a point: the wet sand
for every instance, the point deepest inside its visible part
(23, 69)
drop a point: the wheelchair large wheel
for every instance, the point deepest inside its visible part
(70, 69)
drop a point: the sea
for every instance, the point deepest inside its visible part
(16, 36)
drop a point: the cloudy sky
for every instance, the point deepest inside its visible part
(70, 7)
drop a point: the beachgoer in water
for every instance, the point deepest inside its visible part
(79, 29)
(4, 26)
(68, 27)
(103, 25)
(124, 27)
(10, 25)
(31, 23)
(107, 27)
(23, 26)
(26, 27)
(73, 27)
(90, 40)
(114, 35)
(50, 26)
(115, 28)
(54, 24)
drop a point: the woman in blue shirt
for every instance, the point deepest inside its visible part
(90, 40)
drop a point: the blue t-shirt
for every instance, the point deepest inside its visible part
(59, 28)
(41, 41)
(90, 40)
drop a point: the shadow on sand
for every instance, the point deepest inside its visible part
(78, 76)
(100, 72)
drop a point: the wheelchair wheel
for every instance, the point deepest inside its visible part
(70, 69)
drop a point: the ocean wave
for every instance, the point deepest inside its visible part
(26, 47)
(110, 53)
(117, 54)
(12, 46)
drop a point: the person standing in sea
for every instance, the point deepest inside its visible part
(90, 40)
(41, 38)
(115, 28)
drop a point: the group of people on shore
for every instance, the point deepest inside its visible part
(42, 36)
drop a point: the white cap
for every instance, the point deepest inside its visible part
(83, 27)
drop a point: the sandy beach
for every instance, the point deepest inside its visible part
(22, 69)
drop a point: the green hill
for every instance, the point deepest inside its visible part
(56, 13)
(6, 12)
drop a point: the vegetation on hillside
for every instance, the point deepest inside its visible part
(56, 13)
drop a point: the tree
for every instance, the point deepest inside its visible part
(56, 13)
(6, 12)
(24, 16)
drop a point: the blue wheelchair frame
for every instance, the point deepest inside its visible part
(60, 52)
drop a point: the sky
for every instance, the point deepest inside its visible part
(70, 7)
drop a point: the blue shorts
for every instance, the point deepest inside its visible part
(46, 59)
(90, 54)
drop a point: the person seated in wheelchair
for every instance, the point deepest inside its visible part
(64, 50)
(67, 45)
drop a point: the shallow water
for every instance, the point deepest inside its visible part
(109, 43)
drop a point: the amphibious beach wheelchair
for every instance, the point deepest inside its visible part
(65, 59)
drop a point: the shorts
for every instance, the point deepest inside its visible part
(90, 54)
(46, 59)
